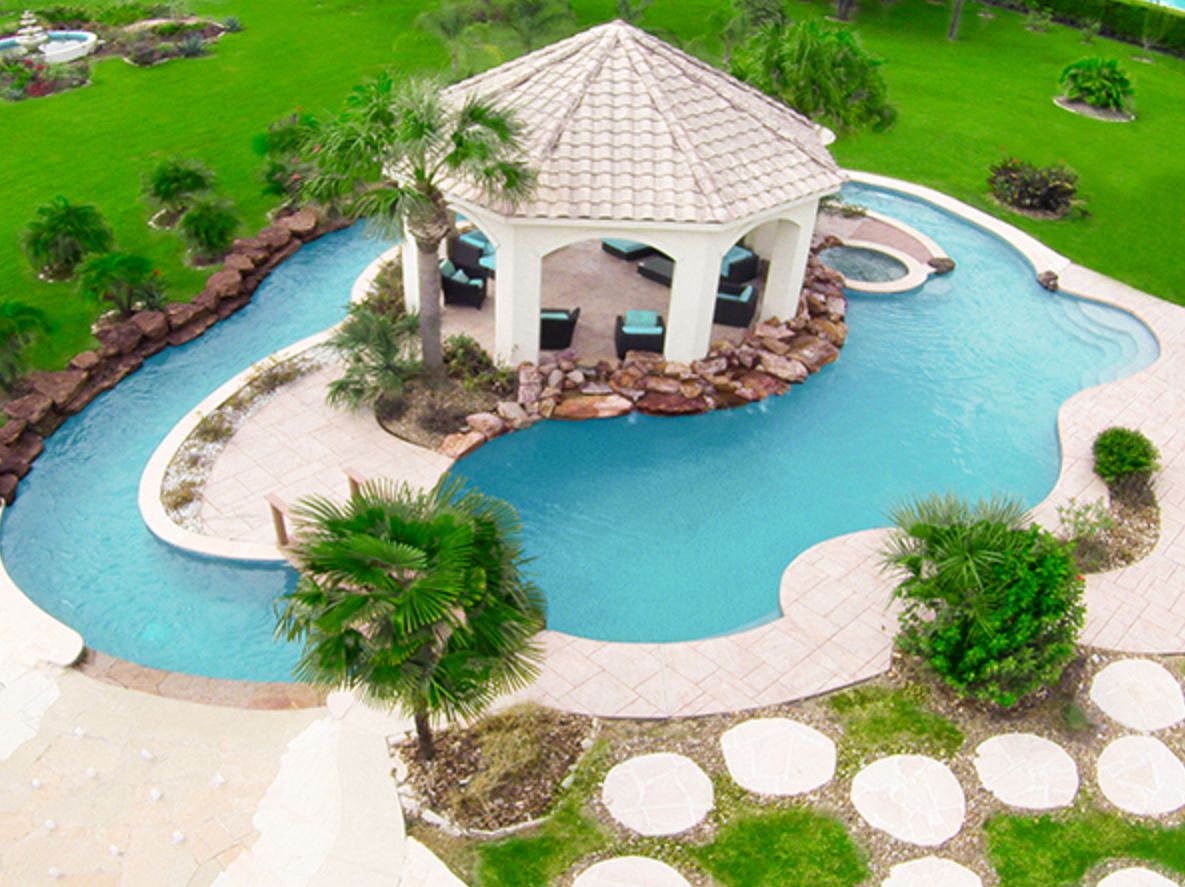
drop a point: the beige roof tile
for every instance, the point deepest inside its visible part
(621, 126)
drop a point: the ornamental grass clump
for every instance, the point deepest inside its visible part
(1100, 83)
(991, 604)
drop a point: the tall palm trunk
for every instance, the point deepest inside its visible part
(428, 250)
(953, 33)
(425, 741)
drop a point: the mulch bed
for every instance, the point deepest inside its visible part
(427, 414)
(1106, 114)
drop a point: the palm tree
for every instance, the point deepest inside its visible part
(413, 598)
(632, 10)
(209, 227)
(19, 325)
(377, 350)
(532, 20)
(449, 21)
(62, 234)
(173, 182)
(124, 280)
(389, 153)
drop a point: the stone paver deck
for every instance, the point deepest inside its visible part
(1027, 771)
(778, 756)
(1140, 694)
(914, 798)
(1141, 775)
(658, 794)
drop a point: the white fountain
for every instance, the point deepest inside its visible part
(31, 36)
(54, 47)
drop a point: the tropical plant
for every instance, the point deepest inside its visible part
(632, 10)
(209, 226)
(534, 21)
(191, 46)
(20, 324)
(378, 350)
(172, 183)
(126, 281)
(1039, 19)
(734, 22)
(414, 598)
(1091, 30)
(992, 605)
(1049, 189)
(1124, 454)
(1086, 527)
(449, 21)
(232, 24)
(472, 366)
(389, 153)
(821, 72)
(1101, 83)
(62, 234)
(281, 146)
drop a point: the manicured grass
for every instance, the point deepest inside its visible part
(1058, 851)
(880, 721)
(776, 847)
(962, 106)
(541, 857)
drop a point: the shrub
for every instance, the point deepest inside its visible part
(131, 12)
(63, 234)
(1021, 185)
(232, 25)
(1091, 30)
(173, 182)
(65, 16)
(379, 352)
(20, 324)
(208, 227)
(993, 606)
(386, 291)
(1122, 454)
(1039, 19)
(466, 361)
(124, 280)
(192, 46)
(1101, 83)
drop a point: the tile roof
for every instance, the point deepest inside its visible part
(622, 126)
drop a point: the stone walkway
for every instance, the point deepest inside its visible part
(659, 794)
(1027, 771)
(778, 756)
(1139, 694)
(913, 798)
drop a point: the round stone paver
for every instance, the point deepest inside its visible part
(931, 871)
(1027, 771)
(659, 794)
(778, 756)
(914, 798)
(1136, 877)
(1141, 775)
(1140, 694)
(630, 871)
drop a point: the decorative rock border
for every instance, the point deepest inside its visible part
(49, 398)
(768, 360)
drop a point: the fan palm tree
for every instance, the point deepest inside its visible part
(19, 325)
(533, 20)
(413, 598)
(62, 234)
(449, 21)
(173, 182)
(122, 279)
(387, 156)
(209, 228)
(377, 349)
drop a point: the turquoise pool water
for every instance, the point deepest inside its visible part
(862, 264)
(75, 541)
(641, 529)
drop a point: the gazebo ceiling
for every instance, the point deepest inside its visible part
(621, 126)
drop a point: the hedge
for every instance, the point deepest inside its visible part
(1120, 19)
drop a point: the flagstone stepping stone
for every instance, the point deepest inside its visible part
(778, 756)
(1136, 877)
(1140, 694)
(630, 871)
(914, 798)
(931, 871)
(658, 794)
(1141, 775)
(1027, 771)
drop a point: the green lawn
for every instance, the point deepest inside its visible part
(961, 107)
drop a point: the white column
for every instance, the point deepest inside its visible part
(517, 300)
(411, 273)
(693, 301)
(787, 267)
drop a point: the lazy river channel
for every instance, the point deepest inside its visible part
(640, 529)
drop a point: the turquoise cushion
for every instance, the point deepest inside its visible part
(743, 296)
(461, 277)
(641, 330)
(476, 238)
(447, 268)
(555, 315)
(734, 254)
(488, 262)
(626, 246)
(637, 318)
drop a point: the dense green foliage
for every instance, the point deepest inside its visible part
(541, 857)
(1123, 453)
(1041, 851)
(471, 365)
(880, 721)
(126, 281)
(1047, 189)
(820, 71)
(19, 325)
(63, 234)
(414, 598)
(378, 351)
(992, 606)
(767, 848)
(1101, 83)
(1131, 20)
(209, 227)
(172, 183)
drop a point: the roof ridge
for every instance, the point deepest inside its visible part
(708, 186)
(605, 45)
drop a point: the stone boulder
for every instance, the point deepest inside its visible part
(461, 444)
(596, 388)
(713, 366)
(660, 384)
(592, 406)
(837, 307)
(8, 484)
(241, 262)
(225, 284)
(513, 413)
(86, 360)
(59, 387)
(11, 430)
(17, 458)
(530, 383)
(813, 352)
(274, 237)
(193, 329)
(30, 409)
(179, 314)
(152, 324)
(784, 368)
(941, 264)
(1048, 280)
(833, 331)
(657, 403)
(119, 339)
(252, 248)
(488, 424)
(756, 385)
(301, 223)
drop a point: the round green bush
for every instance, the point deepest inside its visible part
(1122, 453)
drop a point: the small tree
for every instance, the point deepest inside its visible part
(992, 605)
(378, 350)
(209, 227)
(1100, 83)
(281, 146)
(821, 72)
(414, 598)
(62, 234)
(124, 280)
(20, 324)
(449, 21)
(532, 21)
(171, 185)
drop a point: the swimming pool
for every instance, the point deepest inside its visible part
(641, 528)
(863, 264)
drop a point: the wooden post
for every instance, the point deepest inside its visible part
(279, 510)
(355, 479)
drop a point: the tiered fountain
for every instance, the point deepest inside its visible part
(52, 47)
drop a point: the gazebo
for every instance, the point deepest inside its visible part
(631, 138)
